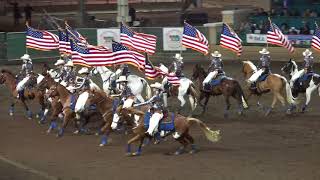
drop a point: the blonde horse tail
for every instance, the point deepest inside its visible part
(290, 99)
(213, 136)
(148, 88)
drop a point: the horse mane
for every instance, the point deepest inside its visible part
(7, 71)
(251, 65)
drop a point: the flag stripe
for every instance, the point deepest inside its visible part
(194, 39)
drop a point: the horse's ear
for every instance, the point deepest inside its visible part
(290, 60)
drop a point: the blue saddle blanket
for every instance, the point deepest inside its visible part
(163, 126)
(115, 103)
(217, 81)
(92, 107)
(305, 77)
(263, 77)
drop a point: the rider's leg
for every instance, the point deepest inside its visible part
(154, 123)
(206, 81)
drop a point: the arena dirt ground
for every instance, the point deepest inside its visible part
(253, 147)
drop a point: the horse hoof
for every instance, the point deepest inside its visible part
(97, 134)
(11, 114)
(76, 132)
(128, 154)
(102, 144)
(267, 112)
(37, 116)
(178, 153)
(157, 142)
(136, 154)
(48, 131)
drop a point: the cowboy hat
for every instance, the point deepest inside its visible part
(25, 57)
(307, 52)
(216, 54)
(156, 85)
(264, 51)
(178, 56)
(84, 70)
(69, 63)
(122, 79)
(59, 62)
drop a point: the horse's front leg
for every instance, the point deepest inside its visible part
(182, 103)
(11, 108)
(132, 140)
(205, 105)
(309, 91)
(227, 108)
(68, 116)
(106, 129)
(29, 113)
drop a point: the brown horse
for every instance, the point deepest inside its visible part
(275, 83)
(65, 97)
(181, 131)
(8, 78)
(106, 106)
(228, 88)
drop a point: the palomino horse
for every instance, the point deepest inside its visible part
(135, 83)
(106, 106)
(310, 83)
(274, 82)
(228, 88)
(8, 78)
(186, 87)
(180, 133)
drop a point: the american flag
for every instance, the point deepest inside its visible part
(75, 35)
(230, 40)
(276, 37)
(123, 55)
(316, 39)
(194, 39)
(41, 40)
(173, 79)
(138, 41)
(64, 44)
(150, 71)
(91, 55)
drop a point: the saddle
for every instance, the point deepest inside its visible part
(256, 88)
(165, 124)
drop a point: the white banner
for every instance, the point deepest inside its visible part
(257, 38)
(105, 37)
(172, 39)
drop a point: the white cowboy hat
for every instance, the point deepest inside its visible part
(216, 54)
(25, 57)
(69, 63)
(122, 79)
(59, 62)
(307, 52)
(264, 51)
(84, 70)
(178, 56)
(156, 85)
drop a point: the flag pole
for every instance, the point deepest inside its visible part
(26, 50)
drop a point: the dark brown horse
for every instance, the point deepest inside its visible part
(106, 106)
(228, 87)
(181, 131)
(8, 78)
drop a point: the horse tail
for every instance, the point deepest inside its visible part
(211, 135)
(241, 95)
(290, 98)
(194, 94)
(148, 88)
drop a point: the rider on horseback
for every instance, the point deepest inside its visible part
(215, 70)
(85, 85)
(69, 77)
(308, 66)
(264, 69)
(177, 66)
(159, 104)
(60, 68)
(26, 71)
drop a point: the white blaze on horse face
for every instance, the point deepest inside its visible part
(115, 121)
(81, 102)
(39, 78)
